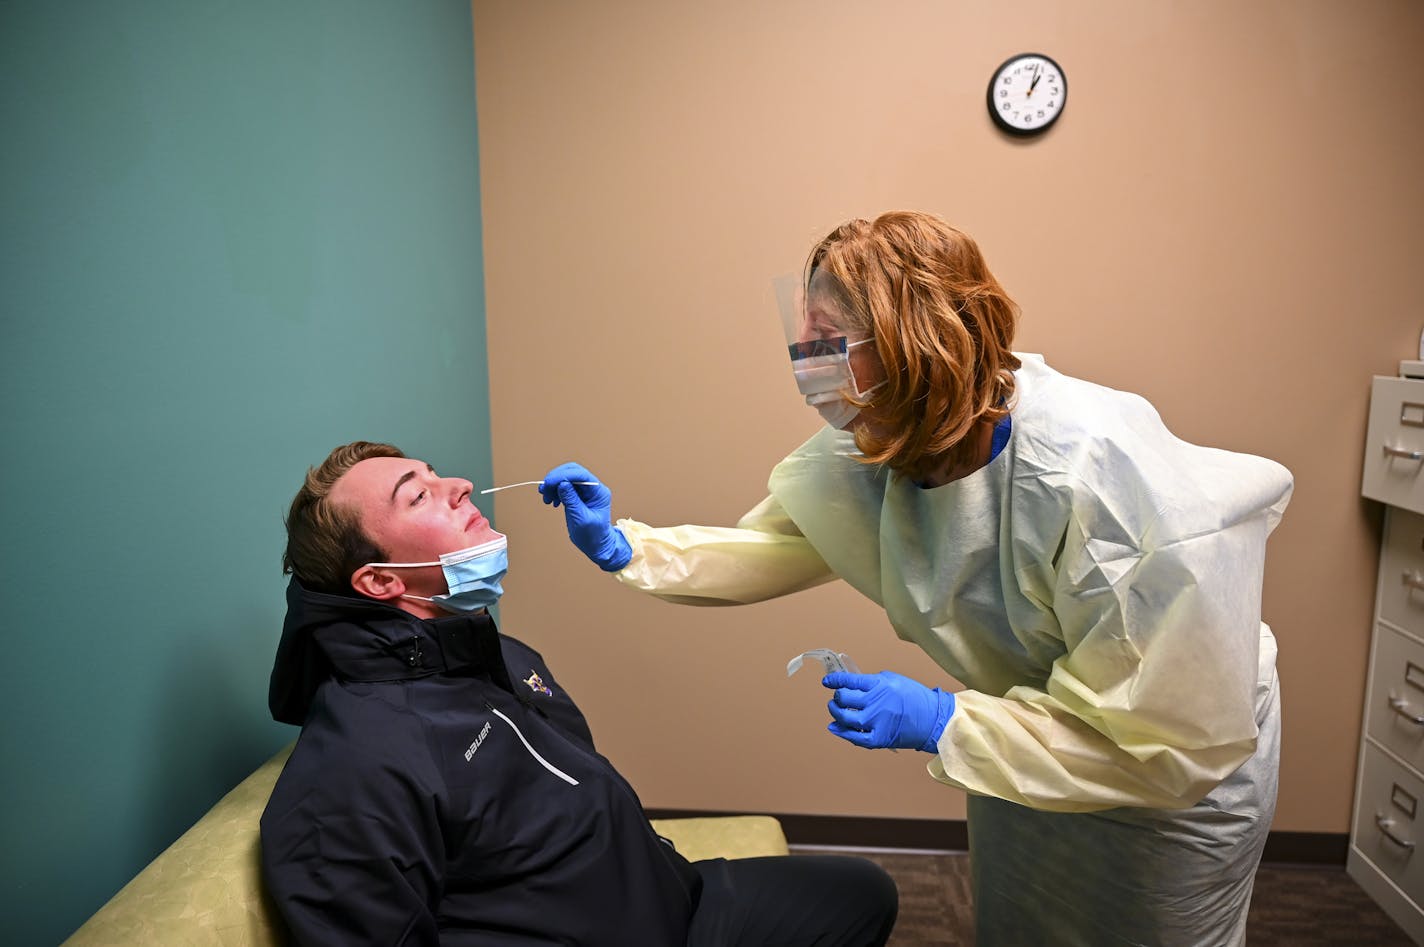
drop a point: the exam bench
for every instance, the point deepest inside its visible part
(206, 888)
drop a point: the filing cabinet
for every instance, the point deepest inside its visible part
(1386, 854)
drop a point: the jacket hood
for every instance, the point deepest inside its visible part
(359, 639)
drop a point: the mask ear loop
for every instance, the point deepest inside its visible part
(419, 598)
(412, 565)
(855, 382)
(459, 556)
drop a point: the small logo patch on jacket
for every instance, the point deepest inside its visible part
(536, 683)
(484, 732)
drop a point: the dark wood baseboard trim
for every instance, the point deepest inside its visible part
(1325, 849)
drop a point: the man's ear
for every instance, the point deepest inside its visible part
(380, 584)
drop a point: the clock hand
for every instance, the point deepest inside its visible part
(1033, 85)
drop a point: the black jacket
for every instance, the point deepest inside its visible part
(446, 790)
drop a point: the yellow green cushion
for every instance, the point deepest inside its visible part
(734, 836)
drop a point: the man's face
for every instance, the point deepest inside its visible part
(413, 514)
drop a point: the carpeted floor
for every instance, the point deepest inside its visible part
(1291, 907)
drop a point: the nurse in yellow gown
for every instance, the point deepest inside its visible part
(1094, 581)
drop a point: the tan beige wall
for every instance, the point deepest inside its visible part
(1227, 220)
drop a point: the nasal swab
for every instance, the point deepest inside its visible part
(532, 483)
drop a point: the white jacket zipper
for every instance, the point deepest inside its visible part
(535, 753)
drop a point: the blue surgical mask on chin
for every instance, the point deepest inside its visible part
(472, 576)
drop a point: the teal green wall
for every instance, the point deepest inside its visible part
(232, 236)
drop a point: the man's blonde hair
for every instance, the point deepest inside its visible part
(943, 328)
(325, 543)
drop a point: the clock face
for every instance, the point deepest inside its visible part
(1027, 93)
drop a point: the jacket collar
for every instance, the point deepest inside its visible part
(401, 647)
(359, 639)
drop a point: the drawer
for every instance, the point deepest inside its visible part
(1394, 446)
(1401, 571)
(1389, 822)
(1395, 714)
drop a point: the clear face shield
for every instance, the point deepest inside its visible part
(820, 347)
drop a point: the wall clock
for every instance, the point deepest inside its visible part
(1027, 94)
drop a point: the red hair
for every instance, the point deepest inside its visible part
(943, 328)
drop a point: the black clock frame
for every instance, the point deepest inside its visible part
(1013, 129)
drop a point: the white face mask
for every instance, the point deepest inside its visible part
(825, 379)
(834, 409)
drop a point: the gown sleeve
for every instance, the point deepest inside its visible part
(1153, 701)
(762, 557)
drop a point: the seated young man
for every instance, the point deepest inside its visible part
(445, 789)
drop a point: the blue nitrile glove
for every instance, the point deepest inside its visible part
(887, 710)
(586, 509)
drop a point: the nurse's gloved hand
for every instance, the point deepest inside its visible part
(586, 504)
(887, 710)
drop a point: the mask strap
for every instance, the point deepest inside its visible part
(407, 565)
(462, 556)
(855, 382)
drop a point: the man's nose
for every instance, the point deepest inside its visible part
(458, 489)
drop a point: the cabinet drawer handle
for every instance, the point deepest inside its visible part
(1414, 580)
(1400, 706)
(1384, 825)
(1406, 454)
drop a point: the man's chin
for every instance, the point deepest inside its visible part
(483, 534)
